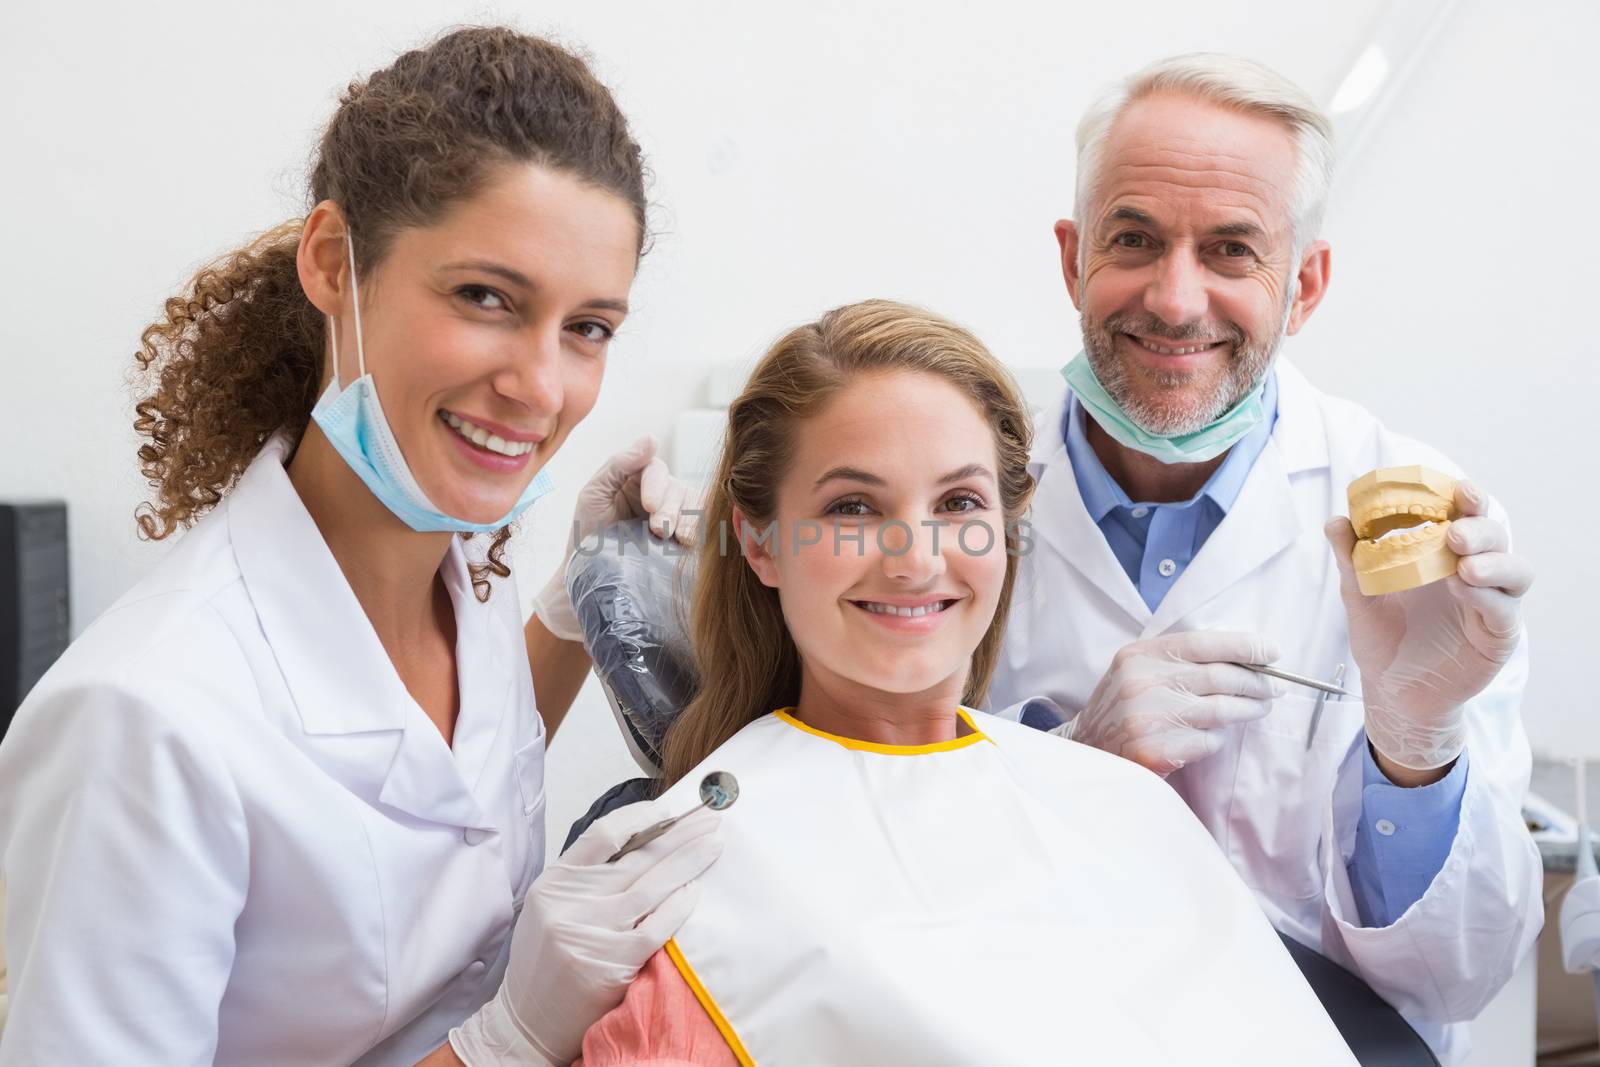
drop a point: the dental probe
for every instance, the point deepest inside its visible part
(1297, 679)
(718, 790)
(1316, 710)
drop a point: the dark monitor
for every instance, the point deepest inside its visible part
(34, 625)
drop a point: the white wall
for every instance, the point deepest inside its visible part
(808, 155)
(1465, 270)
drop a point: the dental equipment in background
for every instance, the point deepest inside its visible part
(1580, 911)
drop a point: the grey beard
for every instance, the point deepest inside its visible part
(1178, 412)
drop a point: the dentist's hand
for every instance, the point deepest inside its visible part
(1424, 652)
(634, 483)
(586, 928)
(1165, 700)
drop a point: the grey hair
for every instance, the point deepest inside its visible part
(1231, 81)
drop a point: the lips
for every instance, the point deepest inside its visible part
(1402, 516)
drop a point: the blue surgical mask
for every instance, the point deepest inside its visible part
(353, 421)
(1208, 442)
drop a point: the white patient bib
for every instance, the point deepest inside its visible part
(1003, 898)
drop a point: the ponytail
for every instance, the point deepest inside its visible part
(234, 360)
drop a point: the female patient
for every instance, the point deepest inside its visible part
(907, 880)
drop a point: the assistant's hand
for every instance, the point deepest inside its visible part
(632, 484)
(586, 928)
(1424, 652)
(1164, 700)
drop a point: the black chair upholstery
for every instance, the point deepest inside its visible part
(1377, 1034)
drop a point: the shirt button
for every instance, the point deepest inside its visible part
(473, 836)
(477, 967)
(1140, 513)
(1384, 827)
(1167, 568)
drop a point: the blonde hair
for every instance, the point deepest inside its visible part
(1230, 81)
(748, 663)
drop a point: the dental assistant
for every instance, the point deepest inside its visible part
(284, 801)
(1189, 516)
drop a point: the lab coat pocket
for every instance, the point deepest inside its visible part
(529, 760)
(529, 764)
(1281, 791)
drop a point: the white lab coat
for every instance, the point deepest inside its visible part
(230, 835)
(1284, 816)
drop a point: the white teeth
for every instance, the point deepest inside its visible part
(1189, 351)
(904, 613)
(483, 438)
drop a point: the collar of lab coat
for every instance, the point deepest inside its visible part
(349, 698)
(1262, 521)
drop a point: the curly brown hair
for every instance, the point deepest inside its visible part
(239, 356)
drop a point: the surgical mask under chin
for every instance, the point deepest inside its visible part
(1208, 442)
(353, 421)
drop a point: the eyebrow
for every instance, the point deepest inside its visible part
(1238, 229)
(521, 280)
(1227, 229)
(1131, 214)
(856, 474)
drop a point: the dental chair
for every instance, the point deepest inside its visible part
(632, 597)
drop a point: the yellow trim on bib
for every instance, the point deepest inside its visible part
(891, 750)
(717, 1018)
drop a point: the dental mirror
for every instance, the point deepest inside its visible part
(718, 791)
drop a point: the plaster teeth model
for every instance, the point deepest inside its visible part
(1402, 515)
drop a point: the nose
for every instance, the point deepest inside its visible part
(912, 551)
(532, 374)
(1177, 294)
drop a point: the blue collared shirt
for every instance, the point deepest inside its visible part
(1404, 835)
(1155, 543)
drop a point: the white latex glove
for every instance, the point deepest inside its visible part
(586, 928)
(1165, 700)
(634, 483)
(1424, 652)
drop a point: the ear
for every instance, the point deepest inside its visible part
(757, 550)
(1067, 238)
(1313, 279)
(321, 259)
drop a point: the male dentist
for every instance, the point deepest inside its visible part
(1189, 516)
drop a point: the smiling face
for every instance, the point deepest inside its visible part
(898, 599)
(486, 332)
(1183, 271)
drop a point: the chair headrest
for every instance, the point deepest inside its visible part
(632, 595)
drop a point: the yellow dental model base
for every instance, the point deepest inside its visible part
(1401, 515)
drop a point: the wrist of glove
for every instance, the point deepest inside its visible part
(586, 928)
(1417, 746)
(492, 1037)
(554, 607)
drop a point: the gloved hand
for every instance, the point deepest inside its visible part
(1424, 652)
(1164, 700)
(586, 928)
(634, 483)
